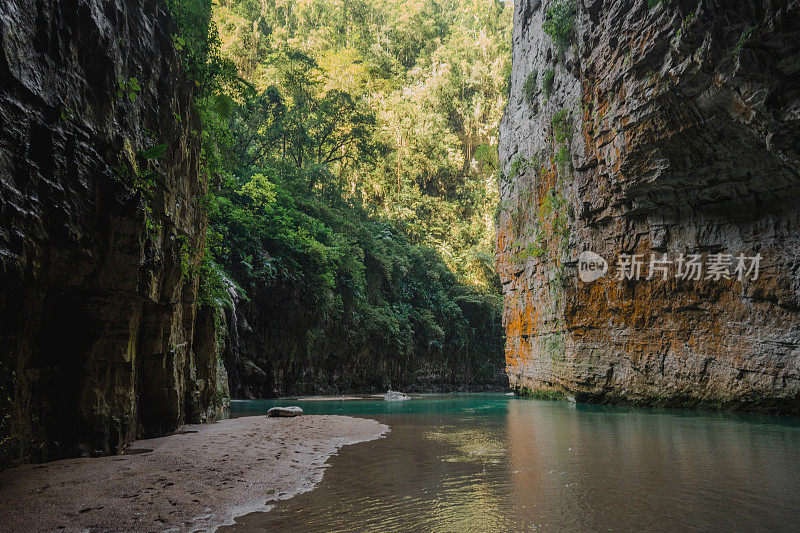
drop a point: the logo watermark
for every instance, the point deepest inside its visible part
(692, 267)
(591, 267)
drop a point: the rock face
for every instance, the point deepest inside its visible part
(266, 352)
(101, 339)
(666, 127)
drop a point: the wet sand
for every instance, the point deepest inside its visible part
(195, 480)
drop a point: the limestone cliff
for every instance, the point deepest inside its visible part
(100, 226)
(661, 127)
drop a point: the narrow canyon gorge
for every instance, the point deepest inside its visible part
(389, 265)
(104, 195)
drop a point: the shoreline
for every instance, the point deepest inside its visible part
(202, 477)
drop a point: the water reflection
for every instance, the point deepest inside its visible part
(491, 462)
(589, 468)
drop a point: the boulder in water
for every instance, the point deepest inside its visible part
(285, 411)
(394, 396)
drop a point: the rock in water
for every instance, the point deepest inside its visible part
(394, 396)
(285, 411)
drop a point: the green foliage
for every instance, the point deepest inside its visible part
(550, 225)
(142, 181)
(562, 126)
(155, 152)
(547, 81)
(554, 346)
(563, 156)
(186, 256)
(488, 157)
(339, 262)
(530, 87)
(558, 22)
(562, 132)
(685, 24)
(198, 43)
(128, 87)
(737, 50)
(535, 249)
(351, 167)
(385, 105)
(215, 77)
(519, 164)
(553, 202)
(260, 191)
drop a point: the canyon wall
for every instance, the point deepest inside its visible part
(276, 344)
(650, 128)
(101, 338)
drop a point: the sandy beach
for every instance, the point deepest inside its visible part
(198, 479)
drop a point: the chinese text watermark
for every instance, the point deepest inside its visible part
(692, 267)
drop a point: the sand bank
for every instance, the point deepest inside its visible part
(198, 479)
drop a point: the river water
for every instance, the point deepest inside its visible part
(494, 462)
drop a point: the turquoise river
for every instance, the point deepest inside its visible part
(495, 462)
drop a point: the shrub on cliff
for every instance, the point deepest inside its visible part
(559, 18)
(547, 82)
(530, 87)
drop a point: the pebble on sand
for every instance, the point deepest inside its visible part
(285, 411)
